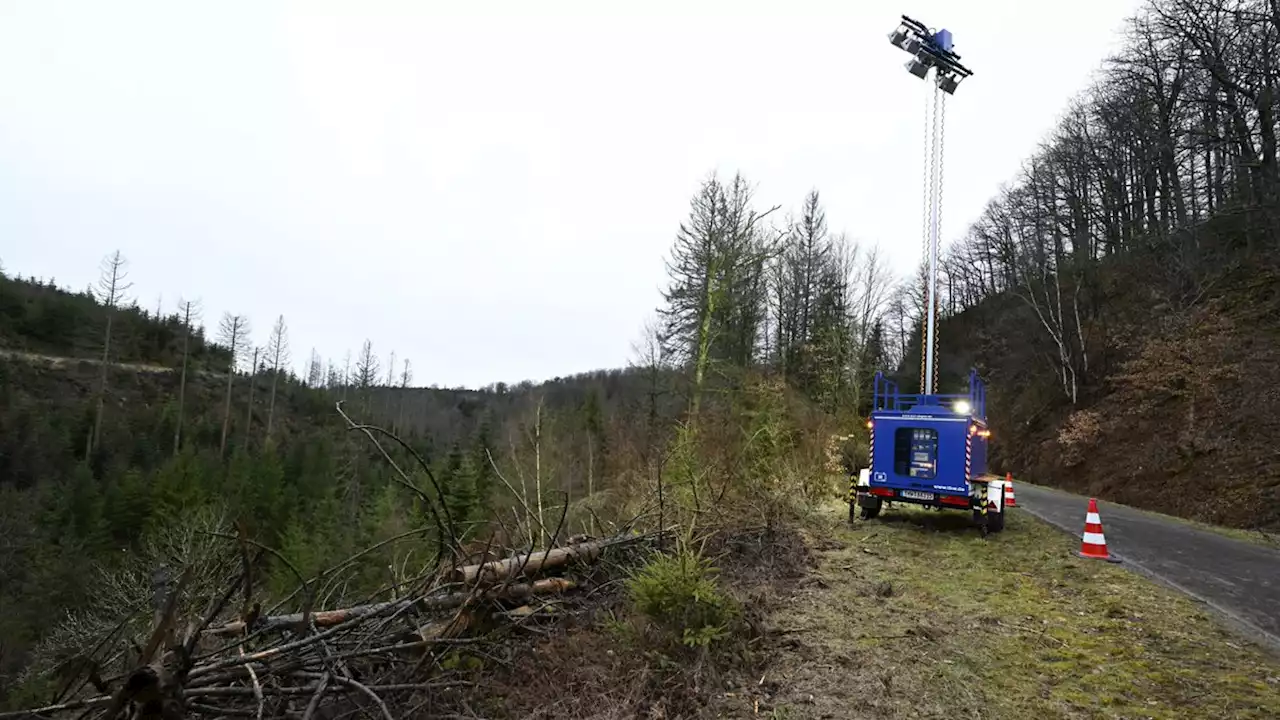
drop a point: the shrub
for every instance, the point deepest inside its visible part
(1080, 432)
(679, 594)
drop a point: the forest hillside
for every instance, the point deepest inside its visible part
(1121, 293)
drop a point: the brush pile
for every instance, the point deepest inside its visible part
(400, 652)
(386, 659)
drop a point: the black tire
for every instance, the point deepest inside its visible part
(870, 506)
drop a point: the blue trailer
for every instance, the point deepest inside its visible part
(929, 450)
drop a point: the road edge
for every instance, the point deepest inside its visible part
(1249, 631)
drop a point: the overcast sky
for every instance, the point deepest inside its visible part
(490, 194)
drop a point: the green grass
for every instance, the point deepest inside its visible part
(914, 615)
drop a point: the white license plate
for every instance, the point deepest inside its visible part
(917, 495)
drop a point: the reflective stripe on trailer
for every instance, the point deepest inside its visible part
(871, 445)
(968, 457)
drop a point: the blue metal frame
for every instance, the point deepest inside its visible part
(885, 396)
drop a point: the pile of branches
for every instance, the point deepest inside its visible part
(379, 657)
(382, 658)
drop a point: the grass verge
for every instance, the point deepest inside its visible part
(914, 615)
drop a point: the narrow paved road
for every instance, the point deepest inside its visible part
(1235, 577)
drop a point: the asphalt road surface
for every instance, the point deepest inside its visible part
(1237, 578)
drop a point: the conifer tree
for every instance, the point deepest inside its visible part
(234, 334)
(714, 301)
(112, 288)
(278, 356)
(190, 312)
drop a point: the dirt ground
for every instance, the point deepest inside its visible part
(914, 616)
(596, 661)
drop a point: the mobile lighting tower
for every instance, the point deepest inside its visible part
(929, 449)
(931, 50)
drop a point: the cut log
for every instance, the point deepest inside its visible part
(329, 618)
(530, 564)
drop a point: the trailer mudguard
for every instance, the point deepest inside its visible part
(993, 496)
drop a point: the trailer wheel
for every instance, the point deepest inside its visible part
(870, 506)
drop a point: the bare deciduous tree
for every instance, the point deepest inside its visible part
(1180, 127)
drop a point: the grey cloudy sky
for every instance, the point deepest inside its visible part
(490, 191)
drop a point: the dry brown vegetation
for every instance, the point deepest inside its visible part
(1184, 413)
(613, 664)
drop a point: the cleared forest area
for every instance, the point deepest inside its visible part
(190, 526)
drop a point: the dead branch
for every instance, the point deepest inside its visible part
(381, 654)
(330, 618)
(444, 527)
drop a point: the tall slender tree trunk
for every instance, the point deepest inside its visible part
(591, 478)
(537, 475)
(271, 407)
(226, 408)
(253, 384)
(182, 382)
(704, 339)
(96, 436)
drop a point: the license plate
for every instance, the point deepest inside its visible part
(917, 495)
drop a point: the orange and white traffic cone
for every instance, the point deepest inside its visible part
(1093, 544)
(1009, 501)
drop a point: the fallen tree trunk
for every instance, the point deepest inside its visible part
(531, 563)
(329, 618)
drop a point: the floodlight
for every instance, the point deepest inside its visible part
(898, 38)
(962, 407)
(918, 65)
(948, 83)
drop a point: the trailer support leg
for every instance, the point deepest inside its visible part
(982, 509)
(853, 496)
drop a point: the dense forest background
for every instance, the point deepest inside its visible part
(1121, 296)
(1121, 292)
